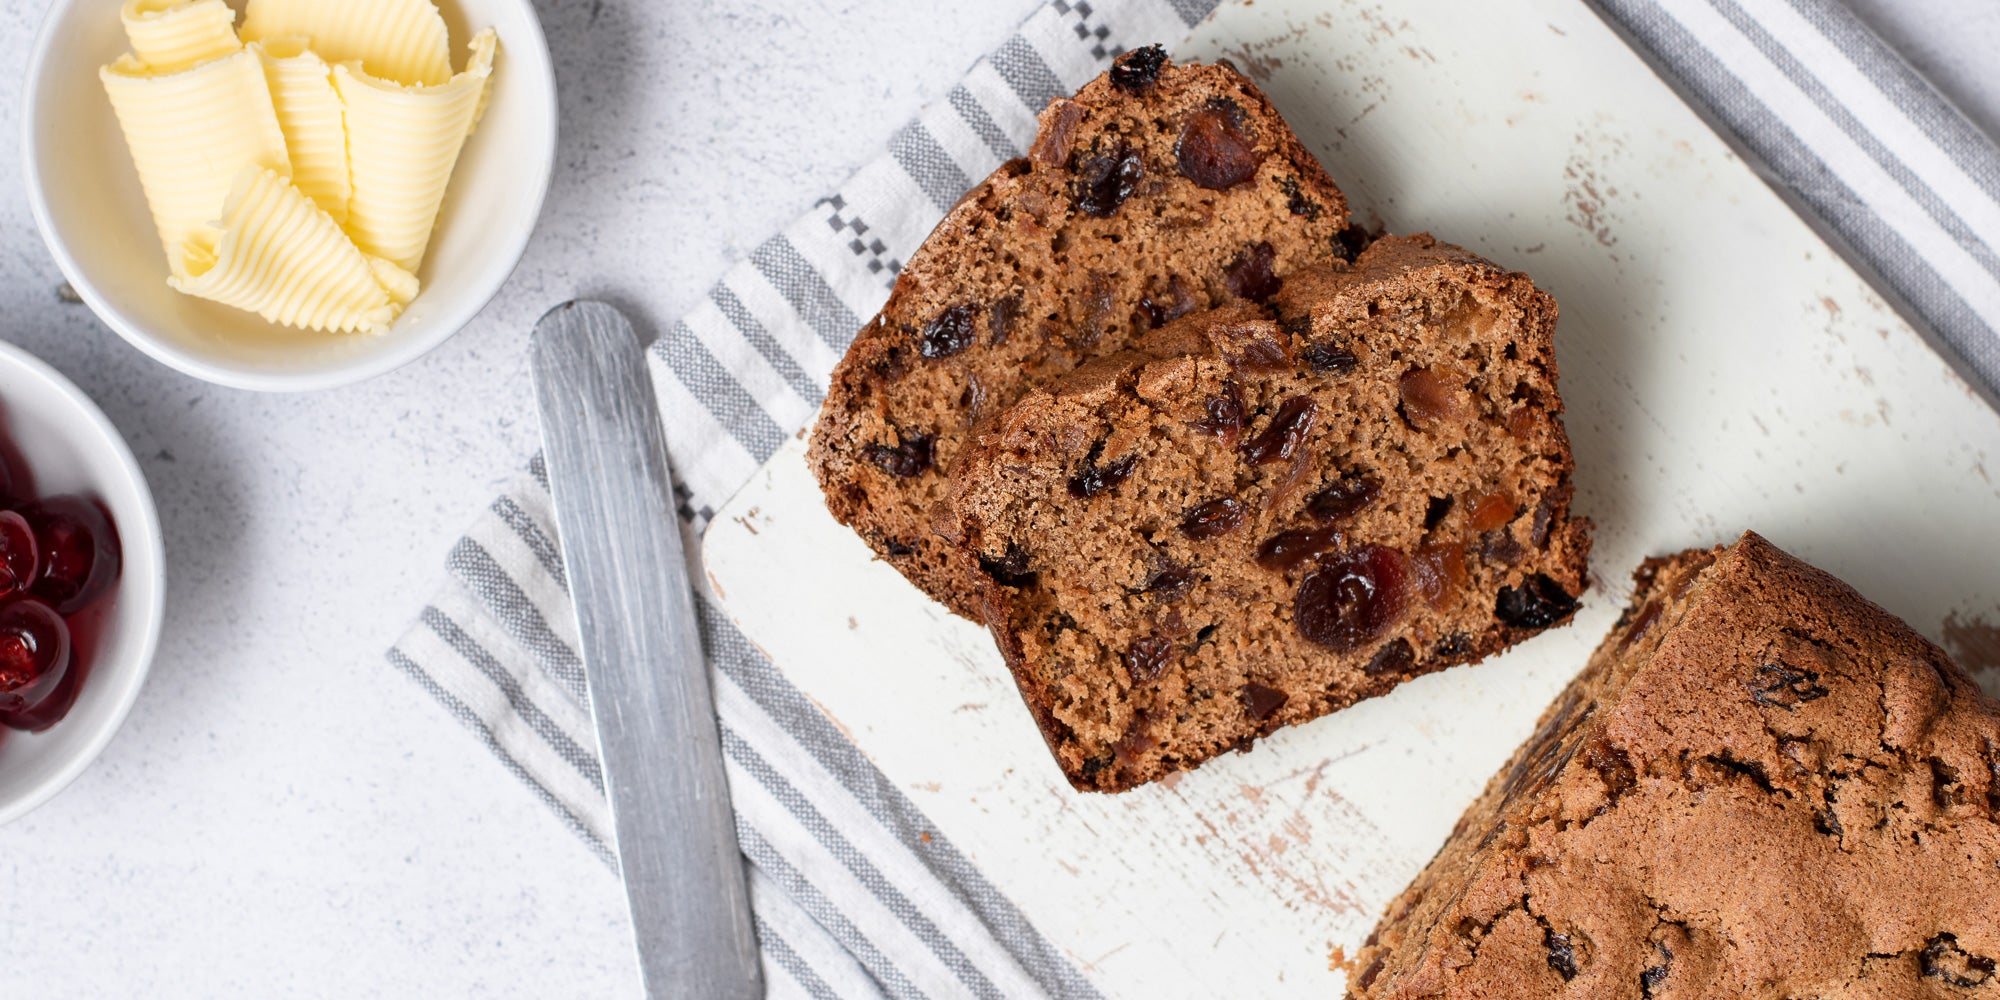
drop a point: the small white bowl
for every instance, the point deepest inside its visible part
(87, 202)
(69, 447)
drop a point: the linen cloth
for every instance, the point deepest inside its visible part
(856, 894)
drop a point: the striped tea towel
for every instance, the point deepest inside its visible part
(1884, 167)
(856, 894)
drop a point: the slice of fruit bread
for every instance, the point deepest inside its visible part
(1762, 785)
(1181, 554)
(1159, 190)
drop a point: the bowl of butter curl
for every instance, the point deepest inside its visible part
(288, 195)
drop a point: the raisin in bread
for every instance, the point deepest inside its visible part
(1178, 555)
(1761, 786)
(1159, 190)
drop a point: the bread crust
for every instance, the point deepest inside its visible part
(1761, 785)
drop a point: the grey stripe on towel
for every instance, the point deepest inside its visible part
(1966, 331)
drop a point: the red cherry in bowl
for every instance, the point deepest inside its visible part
(34, 655)
(79, 550)
(20, 556)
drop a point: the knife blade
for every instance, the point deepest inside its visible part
(647, 678)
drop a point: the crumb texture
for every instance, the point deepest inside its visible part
(1761, 786)
(1157, 191)
(1302, 505)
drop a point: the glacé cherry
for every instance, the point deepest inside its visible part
(79, 551)
(34, 654)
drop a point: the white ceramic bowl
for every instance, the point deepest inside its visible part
(69, 447)
(88, 204)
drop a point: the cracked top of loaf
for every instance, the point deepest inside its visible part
(1761, 786)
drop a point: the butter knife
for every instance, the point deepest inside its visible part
(648, 680)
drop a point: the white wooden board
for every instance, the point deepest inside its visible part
(1723, 369)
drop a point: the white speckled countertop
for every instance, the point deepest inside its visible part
(284, 814)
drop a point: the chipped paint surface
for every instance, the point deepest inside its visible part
(1588, 196)
(1722, 367)
(1974, 641)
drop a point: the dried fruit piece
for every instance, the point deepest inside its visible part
(1537, 603)
(1351, 601)
(1779, 686)
(1147, 658)
(1344, 498)
(1136, 71)
(1097, 312)
(1943, 959)
(1642, 623)
(1433, 398)
(1216, 149)
(1000, 317)
(1521, 423)
(1169, 579)
(1288, 430)
(972, 400)
(1545, 516)
(1651, 978)
(1095, 478)
(950, 332)
(1562, 954)
(1612, 764)
(911, 458)
(1493, 510)
(1394, 659)
(1169, 304)
(1137, 740)
(1213, 519)
(1288, 550)
(1106, 179)
(1357, 238)
(1439, 569)
(1454, 646)
(1224, 417)
(1500, 548)
(1252, 347)
(1262, 702)
(1327, 359)
(1296, 201)
(1298, 475)
(1058, 134)
(1249, 276)
(1011, 569)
